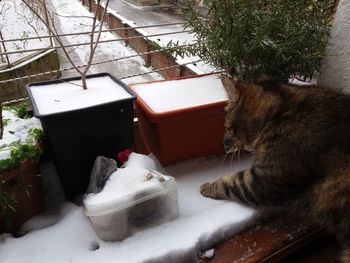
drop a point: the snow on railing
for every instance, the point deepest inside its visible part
(152, 51)
(88, 43)
(17, 24)
(82, 66)
(102, 31)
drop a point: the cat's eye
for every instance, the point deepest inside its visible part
(228, 143)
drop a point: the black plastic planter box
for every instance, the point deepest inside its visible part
(75, 138)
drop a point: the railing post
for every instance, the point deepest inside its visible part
(2, 46)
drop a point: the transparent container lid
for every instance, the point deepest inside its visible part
(121, 202)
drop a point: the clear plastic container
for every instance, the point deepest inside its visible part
(118, 218)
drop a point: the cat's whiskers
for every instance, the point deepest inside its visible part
(235, 154)
(239, 156)
(232, 159)
(224, 159)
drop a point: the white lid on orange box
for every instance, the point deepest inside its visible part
(172, 95)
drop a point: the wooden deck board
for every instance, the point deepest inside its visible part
(267, 242)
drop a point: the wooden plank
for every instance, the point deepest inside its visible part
(266, 242)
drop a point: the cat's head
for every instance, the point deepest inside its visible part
(250, 107)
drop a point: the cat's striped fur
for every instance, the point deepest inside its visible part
(301, 140)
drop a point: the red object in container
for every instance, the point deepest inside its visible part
(184, 133)
(123, 156)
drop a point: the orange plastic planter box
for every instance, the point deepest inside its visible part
(185, 132)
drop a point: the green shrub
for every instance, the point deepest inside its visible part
(280, 38)
(8, 204)
(21, 109)
(21, 151)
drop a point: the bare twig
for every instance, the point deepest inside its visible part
(1, 123)
(93, 44)
(54, 33)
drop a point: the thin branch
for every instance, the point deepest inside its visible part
(60, 42)
(73, 49)
(54, 33)
(1, 123)
(92, 47)
(30, 24)
(70, 82)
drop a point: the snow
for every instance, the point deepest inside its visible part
(133, 198)
(16, 130)
(294, 81)
(133, 16)
(122, 186)
(61, 97)
(69, 237)
(16, 21)
(172, 95)
(27, 61)
(73, 17)
(209, 253)
(202, 223)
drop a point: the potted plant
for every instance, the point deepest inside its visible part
(80, 127)
(83, 117)
(281, 39)
(21, 195)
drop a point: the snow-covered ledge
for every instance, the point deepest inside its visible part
(335, 71)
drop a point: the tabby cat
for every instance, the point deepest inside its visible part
(301, 140)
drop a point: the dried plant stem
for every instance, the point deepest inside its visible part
(50, 24)
(1, 123)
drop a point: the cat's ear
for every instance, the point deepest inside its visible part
(231, 88)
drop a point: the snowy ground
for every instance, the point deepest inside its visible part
(16, 21)
(67, 235)
(135, 16)
(73, 17)
(202, 223)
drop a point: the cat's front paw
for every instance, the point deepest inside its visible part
(207, 190)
